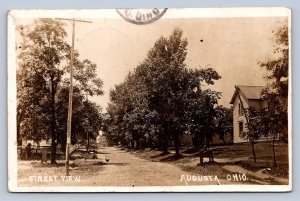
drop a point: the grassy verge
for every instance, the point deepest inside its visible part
(231, 155)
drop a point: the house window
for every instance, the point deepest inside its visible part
(241, 128)
(241, 110)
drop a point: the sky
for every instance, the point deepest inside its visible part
(232, 46)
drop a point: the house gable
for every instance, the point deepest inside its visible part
(250, 97)
(239, 118)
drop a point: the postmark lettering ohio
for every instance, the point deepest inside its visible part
(142, 16)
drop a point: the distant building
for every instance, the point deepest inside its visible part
(42, 143)
(216, 139)
(250, 97)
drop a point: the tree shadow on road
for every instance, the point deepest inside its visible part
(108, 163)
(171, 158)
(160, 154)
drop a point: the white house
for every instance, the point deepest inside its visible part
(244, 97)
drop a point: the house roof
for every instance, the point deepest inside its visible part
(248, 92)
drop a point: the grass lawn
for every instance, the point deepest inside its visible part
(236, 155)
(264, 157)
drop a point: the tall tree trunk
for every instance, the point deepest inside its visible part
(201, 148)
(201, 141)
(87, 142)
(177, 144)
(201, 156)
(19, 138)
(160, 144)
(165, 145)
(253, 151)
(53, 137)
(63, 142)
(53, 124)
(196, 141)
(138, 144)
(53, 145)
(274, 156)
(165, 142)
(224, 138)
(177, 153)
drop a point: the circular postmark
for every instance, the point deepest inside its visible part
(141, 16)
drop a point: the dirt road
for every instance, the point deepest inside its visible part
(128, 170)
(122, 169)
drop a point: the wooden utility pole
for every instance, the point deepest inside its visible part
(69, 123)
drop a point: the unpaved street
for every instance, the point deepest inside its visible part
(122, 169)
(128, 170)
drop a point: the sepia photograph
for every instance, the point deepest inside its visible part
(150, 100)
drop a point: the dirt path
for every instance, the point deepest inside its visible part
(127, 170)
(123, 169)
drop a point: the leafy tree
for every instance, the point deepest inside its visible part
(261, 124)
(41, 77)
(201, 114)
(86, 118)
(276, 92)
(171, 85)
(253, 124)
(273, 120)
(155, 99)
(40, 72)
(223, 121)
